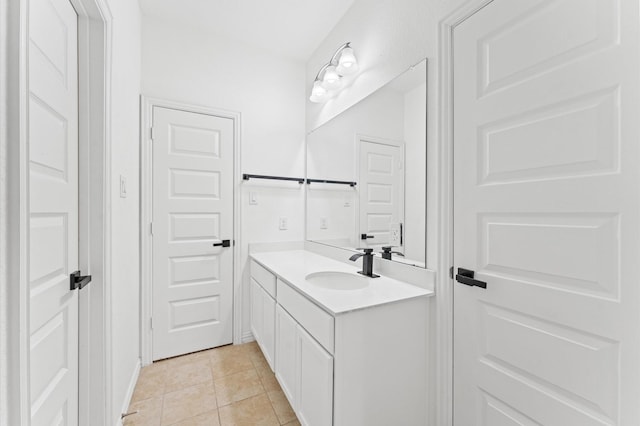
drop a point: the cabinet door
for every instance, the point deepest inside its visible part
(315, 382)
(256, 310)
(268, 329)
(286, 359)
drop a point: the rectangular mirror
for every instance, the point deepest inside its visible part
(367, 173)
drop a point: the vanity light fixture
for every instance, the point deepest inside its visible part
(329, 78)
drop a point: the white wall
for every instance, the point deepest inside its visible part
(415, 136)
(181, 64)
(125, 148)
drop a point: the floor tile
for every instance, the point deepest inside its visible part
(269, 381)
(260, 364)
(180, 376)
(189, 402)
(231, 349)
(209, 418)
(185, 391)
(148, 413)
(255, 411)
(281, 406)
(238, 386)
(186, 359)
(227, 363)
(150, 383)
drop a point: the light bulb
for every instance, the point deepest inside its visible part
(331, 79)
(318, 93)
(348, 63)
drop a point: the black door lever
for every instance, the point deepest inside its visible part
(224, 243)
(465, 276)
(77, 281)
(365, 236)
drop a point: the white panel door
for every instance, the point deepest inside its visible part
(381, 189)
(546, 206)
(53, 210)
(192, 211)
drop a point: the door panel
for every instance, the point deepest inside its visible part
(287, 359)
(268, 327)
(381, 190)
(315, 381)
(546, 196)
(192, 210)
(53, 209)
(256, 310)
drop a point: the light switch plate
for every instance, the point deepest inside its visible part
(284, 223)
(123, 187)
(394, 239)
(253, 198)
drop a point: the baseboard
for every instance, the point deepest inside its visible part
(130, 389)
(247, 337)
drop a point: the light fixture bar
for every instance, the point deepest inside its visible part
(328, 79)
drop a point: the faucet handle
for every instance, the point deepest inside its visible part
(387, 252)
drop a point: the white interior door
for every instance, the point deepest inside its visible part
(381, 189)
(192, 211)
(546, 211)
(53, 211)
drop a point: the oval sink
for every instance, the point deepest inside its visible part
(337, 280)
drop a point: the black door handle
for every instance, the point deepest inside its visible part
(365, 236)
(224, 243)
(465, 276)
(77, 281)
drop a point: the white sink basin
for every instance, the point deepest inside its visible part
(334, 280)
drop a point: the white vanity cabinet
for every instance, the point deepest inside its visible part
(304, 370)
(345, 358)
(263, 310)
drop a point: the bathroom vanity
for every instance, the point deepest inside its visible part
(348, 350)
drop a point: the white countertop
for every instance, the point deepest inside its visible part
(294, 265)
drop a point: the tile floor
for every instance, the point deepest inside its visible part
(226, 386)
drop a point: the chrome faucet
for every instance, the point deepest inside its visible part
(386, 252)
(367, 262)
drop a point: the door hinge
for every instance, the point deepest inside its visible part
(451, 272)
(151, 133)
(151, 323)
(151, 228)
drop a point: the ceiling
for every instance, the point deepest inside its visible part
(290, 28)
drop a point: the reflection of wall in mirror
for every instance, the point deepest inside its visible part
(415, 136)
(332, 154)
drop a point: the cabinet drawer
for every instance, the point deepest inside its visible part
(263, 277)
(317, 322)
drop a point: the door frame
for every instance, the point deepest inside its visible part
(94, 81)
(444, 282)
(146, 213)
